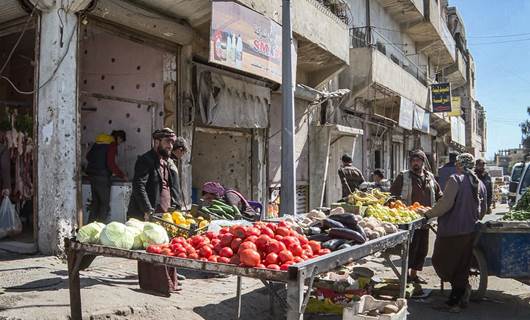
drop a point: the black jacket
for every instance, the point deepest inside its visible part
(147, 185)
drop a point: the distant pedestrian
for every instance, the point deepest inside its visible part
(447, 170)
(350, 177)
(462, 205)
(380, 182)
(484, 176)
(417, 185)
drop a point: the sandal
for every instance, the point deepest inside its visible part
(416, 279)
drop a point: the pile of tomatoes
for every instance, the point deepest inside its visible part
(263, 245)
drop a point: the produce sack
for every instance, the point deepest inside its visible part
(117, 235)
(10, 224)
(154, 234)
(90, 233)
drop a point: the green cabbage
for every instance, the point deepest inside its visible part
(137, 234)
(117, 235)
(154, 234)
(135, 223)
(90, 233)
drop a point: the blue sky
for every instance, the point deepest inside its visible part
(502, 69)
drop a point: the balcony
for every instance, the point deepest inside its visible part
(404, 11)
(457, 73)
(433, 36)
(379, 69)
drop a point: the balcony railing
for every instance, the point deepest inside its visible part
(339, 8)
(363, 37)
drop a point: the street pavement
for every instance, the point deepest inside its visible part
(36, 287)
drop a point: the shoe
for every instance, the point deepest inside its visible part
(416, 279)
(464, 301)
(180, 277)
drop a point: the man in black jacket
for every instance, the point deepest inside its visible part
(156, 185)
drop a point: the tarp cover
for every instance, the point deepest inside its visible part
(231, 103)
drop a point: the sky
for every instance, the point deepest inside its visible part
(498, 36)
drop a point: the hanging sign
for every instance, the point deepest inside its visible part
(441, 97)
(406, 113)
(456, 107)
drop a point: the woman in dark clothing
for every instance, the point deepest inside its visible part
(215, 191)
(462, 205)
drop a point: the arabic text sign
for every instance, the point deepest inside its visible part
(243, 39)
(406, 113)
(441, 97)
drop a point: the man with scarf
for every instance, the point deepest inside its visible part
(463, 204)
(417, 185)
(484, 176)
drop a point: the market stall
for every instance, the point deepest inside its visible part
(80, 256)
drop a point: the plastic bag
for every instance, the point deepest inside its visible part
(10, 224)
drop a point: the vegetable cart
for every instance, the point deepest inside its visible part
(80, 256)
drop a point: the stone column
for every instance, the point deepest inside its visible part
(58, 136)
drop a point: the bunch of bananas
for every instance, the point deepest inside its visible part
(360, 198)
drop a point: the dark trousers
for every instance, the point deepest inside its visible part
(100, 207)
(419, 247)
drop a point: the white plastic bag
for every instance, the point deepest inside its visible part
(10, 224)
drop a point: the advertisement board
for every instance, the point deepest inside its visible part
(243, 39)
(441, 97)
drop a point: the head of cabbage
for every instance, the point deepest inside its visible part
(117, 235)
(90, 233)
(154, 234)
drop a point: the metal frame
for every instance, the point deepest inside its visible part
(80, 256)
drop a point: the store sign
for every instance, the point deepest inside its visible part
(458, 130)
(243, 39)
(419, 115)
(456, 107)
(406, 113)
(441, 97)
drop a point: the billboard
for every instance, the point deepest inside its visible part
(441, 97)
(245, 40)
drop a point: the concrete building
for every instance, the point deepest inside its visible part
(508, 157)
(94, 66)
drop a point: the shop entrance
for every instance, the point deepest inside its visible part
(125, 84)
(17, 67)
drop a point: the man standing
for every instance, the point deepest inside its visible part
(447, 170)
(462, 205)
(417, 185)
(350, 177)
(379, 180)
(480, 171)
(100, 169)
(156, 186)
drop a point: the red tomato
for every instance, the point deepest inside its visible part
(193, 256)
(226, 239)
(223, 260)
(273, 246)
(283, 231)
(302, 239)
(296, 250)
(267, 231)
(165, 251)
(205, 252)
(213, 258)
(307, 251)
(260, 266)
(153, 249)
(238, 231)
(248, 245)
(272, 226)
(262, 241)
(252, 231)
(297, 259)
(304, 257)
(283, 223)
(203, 259)
(273, 267)
(215, 241)
(182, 255)
(272, 258)
(177, 248)
(224, 230)
(226, 252)
(323, 252)
(211, 235)
(285, 255)
(234, 260)
(251, 238)
(278, 237)
(286, 265)
(282, 246)
(190, 250)
(218, 248)
(180, 240)
(235, 244)
(315, 246)
(289, 241)
(293, 233)
(249, 257)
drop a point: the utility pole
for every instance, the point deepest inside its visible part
(288, 183)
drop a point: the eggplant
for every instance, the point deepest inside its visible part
(319, 237)
(347, 219)
(344, 246)
(333, 244)
(343, 233)
(360, 230)
(329, 224)
(314, 230)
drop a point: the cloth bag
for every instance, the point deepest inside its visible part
(10, 224)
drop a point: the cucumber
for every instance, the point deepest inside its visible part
(236, 211)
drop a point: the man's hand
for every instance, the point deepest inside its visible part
(147, 215)
(6, 192)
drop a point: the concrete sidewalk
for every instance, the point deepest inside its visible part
(36, 287)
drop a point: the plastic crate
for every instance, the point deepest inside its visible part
(174, 230)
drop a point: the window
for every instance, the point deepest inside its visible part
(525, 182)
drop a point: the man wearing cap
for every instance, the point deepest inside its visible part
(463, 204)
(156, 185)
(350, 177)
(417, 185)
